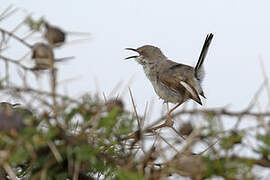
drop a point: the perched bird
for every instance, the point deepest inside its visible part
(12, 117)
(54, 35)
(42, 53)
(173, 82)
(43, 56)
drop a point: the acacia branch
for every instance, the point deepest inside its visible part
(16, 37)
(15, 62)
(40, 92)
(214, 112)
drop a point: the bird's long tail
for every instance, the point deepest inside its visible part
(198, 67)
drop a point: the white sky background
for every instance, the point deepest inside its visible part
(178, 27)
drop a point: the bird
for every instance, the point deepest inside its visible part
(54, 35)
(57, 37)
(12, 117)
(43, 55)
(173, 82)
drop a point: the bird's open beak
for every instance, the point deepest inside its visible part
(131, 49)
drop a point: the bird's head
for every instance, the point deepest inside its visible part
(147, 54)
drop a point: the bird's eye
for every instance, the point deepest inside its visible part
(144, 53)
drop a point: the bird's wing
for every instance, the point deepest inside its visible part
(175, 78)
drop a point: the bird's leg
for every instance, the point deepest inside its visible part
(168, 122)
(175, 107)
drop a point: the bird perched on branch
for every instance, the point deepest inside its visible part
(12, 117)
(54, 35)
(43, 56)
(173, 82)
(42, 53)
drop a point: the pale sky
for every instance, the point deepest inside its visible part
(178, 27)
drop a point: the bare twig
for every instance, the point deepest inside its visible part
(135, 110)
(6, 59)
(6, 13)
(55, 152)
(9, 171)
(40, 92)
(16, 37)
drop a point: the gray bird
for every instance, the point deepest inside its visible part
(12, 117)
(43, 55)
(54, 35)
(173, 82)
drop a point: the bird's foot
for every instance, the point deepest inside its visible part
(167, 123)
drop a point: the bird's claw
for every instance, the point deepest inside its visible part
(169, 123)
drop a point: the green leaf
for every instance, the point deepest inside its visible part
(228, 142)
(85, 152)
(124, 175)
(110, 121)
(264, 138)
(19, 156)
